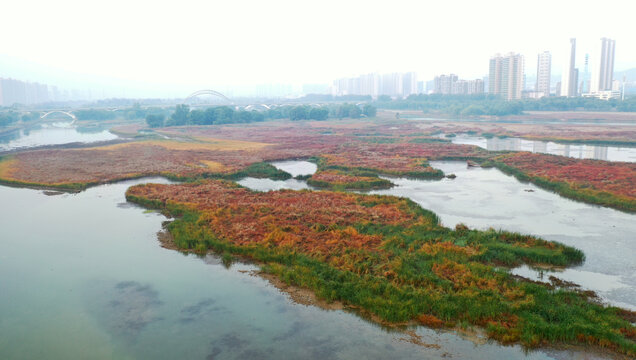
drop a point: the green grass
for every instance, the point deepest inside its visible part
(564, 189)
(401, 281)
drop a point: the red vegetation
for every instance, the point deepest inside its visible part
(227, 149)
(337, 178)
(282, 218)
(613, 177)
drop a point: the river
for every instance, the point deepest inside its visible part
(483, 198)
(83, 277)
(575, 150)
(53, 134)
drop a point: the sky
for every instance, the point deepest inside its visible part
(171, 48)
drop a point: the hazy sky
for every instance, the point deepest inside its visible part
(170, 48)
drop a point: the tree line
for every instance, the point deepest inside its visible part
(183, 115)
(486, 104)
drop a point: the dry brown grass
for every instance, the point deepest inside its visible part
(200, 143)
(214, 166)
(7, 167)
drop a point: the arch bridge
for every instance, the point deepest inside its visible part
(258, 107)
(67, 113)
(207, 92)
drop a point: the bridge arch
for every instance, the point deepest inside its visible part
(207, 92)
(67, 113)
(258, 106)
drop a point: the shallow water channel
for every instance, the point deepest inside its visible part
(579, 151)
(83, 277)
(53, 134)
(484, 198)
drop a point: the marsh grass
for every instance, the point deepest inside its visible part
(428, 274)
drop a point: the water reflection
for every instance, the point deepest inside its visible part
(296, 167)
(54, 134)
(269, 185)
(579, 151)
(293, 167)
(91, 281)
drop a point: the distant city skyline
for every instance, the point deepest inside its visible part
(162, 49)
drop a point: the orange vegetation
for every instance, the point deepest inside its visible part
(613, 177)
(280, 217)
(225, 150)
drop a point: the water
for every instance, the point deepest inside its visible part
(484, 198)
(53, 134)
(579, 151)
(269, 185)
(293, 167)
(296, 168)
(83, 277)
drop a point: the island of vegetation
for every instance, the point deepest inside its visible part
(611, 184)
(391, 260)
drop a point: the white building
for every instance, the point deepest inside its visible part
(506, 74)
(544, 69)
(603, 72)
(570, 81)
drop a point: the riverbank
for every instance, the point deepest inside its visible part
(592, 181)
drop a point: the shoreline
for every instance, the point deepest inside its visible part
(307, 297)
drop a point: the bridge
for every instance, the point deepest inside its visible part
(207, 92)
(67, 113)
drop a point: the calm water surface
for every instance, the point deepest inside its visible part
(53, 134)
(83, 277)
(484, 198)
(579, 151)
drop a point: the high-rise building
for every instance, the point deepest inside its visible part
(451, 84)
(475, 86)
(544, 69)
(569, 79)
(505, 77)
(604, 73)
(391, 84)
(444, 83)
(409, 84)
(585, 78)
(395, 85)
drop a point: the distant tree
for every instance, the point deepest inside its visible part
(179, 116)
(224, 114)
(354, 112)
(30, 116)
(298, 113)
(318, 114)
(369, 110)
(198, 117)
(135, 112)
(155, 120)
(8, 118)
(95, 114)
(210, 116)
(384, 98)
(257, 116)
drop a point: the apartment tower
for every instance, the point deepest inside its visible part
(505, 76)
(602, 79)
(569, 80)
(544, 68)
